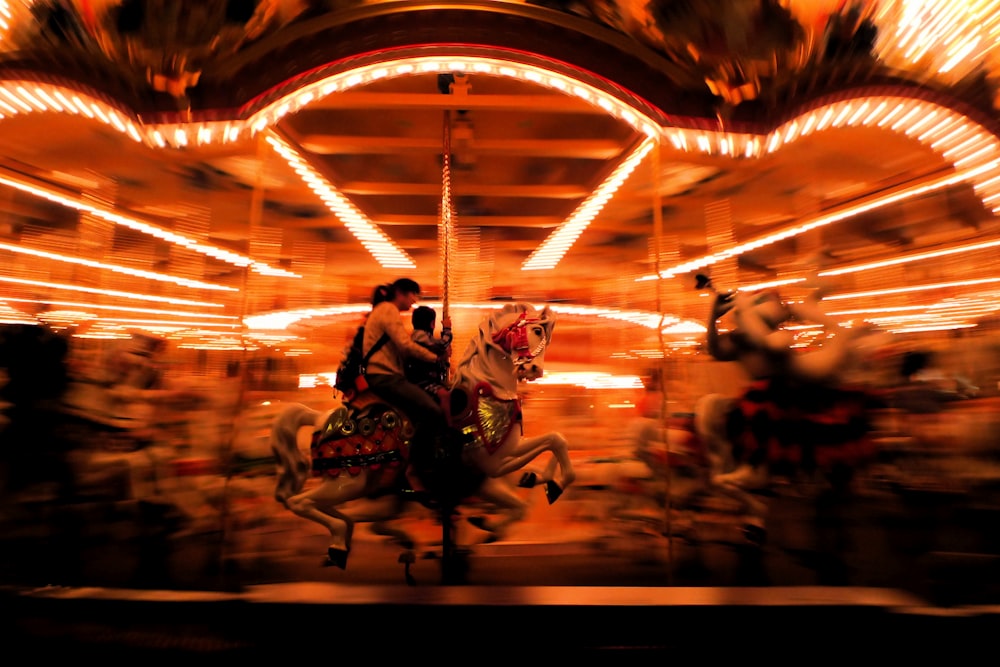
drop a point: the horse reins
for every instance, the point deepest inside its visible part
(513, 339)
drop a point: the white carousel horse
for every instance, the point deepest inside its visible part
(360, 449)
(799, 413)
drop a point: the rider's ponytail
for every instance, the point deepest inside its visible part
(381, 293)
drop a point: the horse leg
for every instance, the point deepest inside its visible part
(320, 505)
(532, 478)
(728, 477)
(381, 516)
(754, 510)
(528, 449)
(497, 490)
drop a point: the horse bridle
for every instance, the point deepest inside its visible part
(513, 339)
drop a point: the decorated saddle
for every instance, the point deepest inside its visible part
(372, 437)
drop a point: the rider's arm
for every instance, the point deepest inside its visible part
(428, 340)
(401, 337)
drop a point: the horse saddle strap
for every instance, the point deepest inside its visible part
(375, 348)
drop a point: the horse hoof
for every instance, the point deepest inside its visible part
(528, 480)
(552, 491)
(755, 535)
(337, 558)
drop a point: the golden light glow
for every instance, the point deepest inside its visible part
(870, 204)
(554, 248)
(280, 320)
(382, 248)
(589, 380)
(585, 379)
(916, 257)
(80, 204)
(110, 292)
(116, 268)
(126, 309)
(911, 288)
(940, 37)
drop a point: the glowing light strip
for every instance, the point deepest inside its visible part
(138, 273)
(377, 242)
(952, 309)
(498, 67)
(771, 284)
(279, 320)
(911, 258)
(129, 309)
(109, 292)
(169, 323)
(822, 221)
(5, 19)
(32, 96)
(911, 288)
(555, 247)
(943, 327)
(28, 97)
(222, 346)
(590, 380)
(79, 204)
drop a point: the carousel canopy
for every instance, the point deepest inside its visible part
(240, 157)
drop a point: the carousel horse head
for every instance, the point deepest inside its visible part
(523, 333)
(766, 305)
(509, 347)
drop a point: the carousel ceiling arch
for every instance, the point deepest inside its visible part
(302, 140)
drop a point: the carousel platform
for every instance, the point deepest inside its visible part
(313, 620)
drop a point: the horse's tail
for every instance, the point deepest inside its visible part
(293, 464)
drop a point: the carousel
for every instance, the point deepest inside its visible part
(717, 281)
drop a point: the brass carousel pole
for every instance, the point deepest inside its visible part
(445, 229)
(661, 379)
(452, 569)
(253, 221)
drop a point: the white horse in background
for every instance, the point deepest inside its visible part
(800, 414)
(360, 449)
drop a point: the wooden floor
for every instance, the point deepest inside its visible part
(290, 622)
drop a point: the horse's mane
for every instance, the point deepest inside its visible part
(485, 361)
